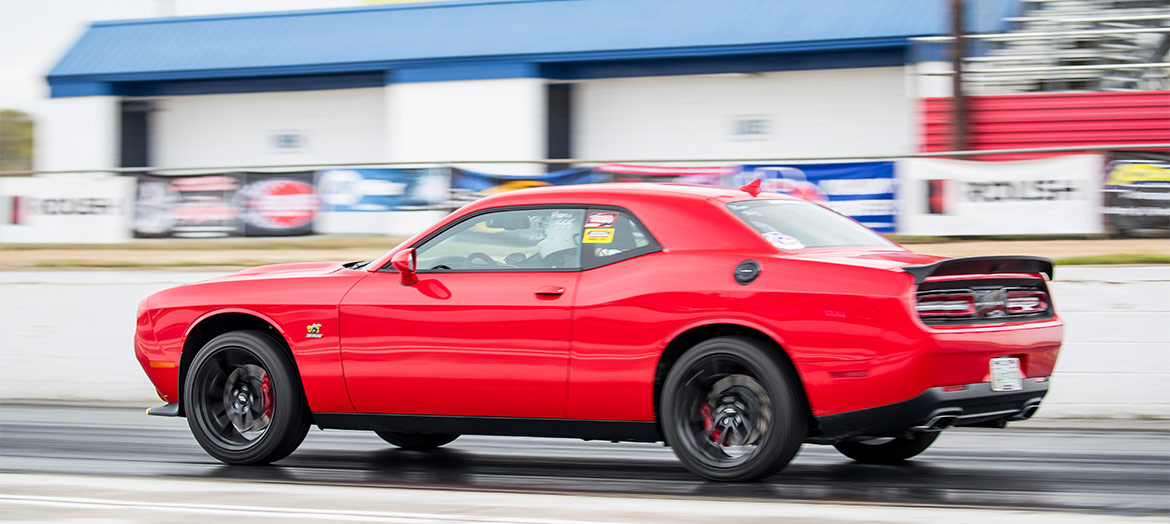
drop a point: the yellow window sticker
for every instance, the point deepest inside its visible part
(598, 236)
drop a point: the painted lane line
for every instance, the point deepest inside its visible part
(270, 511)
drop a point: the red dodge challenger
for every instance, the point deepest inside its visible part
(733, 325)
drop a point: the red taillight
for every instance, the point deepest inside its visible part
(961, 304)
(1026, 302)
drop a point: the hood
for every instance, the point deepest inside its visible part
(286, 270)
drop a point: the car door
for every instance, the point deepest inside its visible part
(484, 332)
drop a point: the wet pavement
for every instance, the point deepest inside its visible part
(1101, 472)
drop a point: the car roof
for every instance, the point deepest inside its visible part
(615, 192)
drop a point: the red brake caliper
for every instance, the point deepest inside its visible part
(709, 422)
(266, 390)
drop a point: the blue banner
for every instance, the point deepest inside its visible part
(488, 184)
(863, 191)
(374, 190)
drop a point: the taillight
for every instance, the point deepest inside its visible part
(1026, 302)
(946, 305)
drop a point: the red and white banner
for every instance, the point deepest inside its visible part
(1051, 196)
(73, 209)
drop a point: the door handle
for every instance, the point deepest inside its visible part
(550, 291)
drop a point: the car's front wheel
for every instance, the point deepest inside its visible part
(243, 401)
(731, 410)
(416, 441)
(891, 450)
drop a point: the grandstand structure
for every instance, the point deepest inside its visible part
(1075, 46)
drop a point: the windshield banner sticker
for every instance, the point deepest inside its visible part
(783, 241)
(598, 236)
(601, 220)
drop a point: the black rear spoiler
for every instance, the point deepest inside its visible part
(982, 266)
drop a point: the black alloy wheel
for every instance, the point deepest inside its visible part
(243, 401)
(889, 450)
(731, 410)
(416, 441)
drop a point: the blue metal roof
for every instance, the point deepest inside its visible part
(454, 34)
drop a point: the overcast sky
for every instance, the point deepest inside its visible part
(34, 34)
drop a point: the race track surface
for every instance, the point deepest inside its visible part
(1099, 472)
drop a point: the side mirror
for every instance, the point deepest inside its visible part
(406, 263)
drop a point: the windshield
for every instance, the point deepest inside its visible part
(796, 224)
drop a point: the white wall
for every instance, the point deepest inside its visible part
(78, 133)
(1115, 361)
(832, 112)
(335, 125)
(468, 120)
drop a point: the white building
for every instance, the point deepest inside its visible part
(496, 80)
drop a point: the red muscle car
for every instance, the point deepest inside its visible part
(733, 325)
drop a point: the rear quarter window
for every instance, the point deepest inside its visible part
(796, 224)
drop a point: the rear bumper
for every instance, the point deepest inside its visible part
(936, 409)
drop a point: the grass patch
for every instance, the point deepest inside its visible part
(920, 239)
(114, 264)
(379, 243)
(1114, 258)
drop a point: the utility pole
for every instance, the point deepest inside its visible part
(959, 114)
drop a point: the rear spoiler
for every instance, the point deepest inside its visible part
(982, 266)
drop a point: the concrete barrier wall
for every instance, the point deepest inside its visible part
(68, 336)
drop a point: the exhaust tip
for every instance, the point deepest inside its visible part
(1028, 410)
(940, 420)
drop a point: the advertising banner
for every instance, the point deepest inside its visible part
(864, 191)
(701, 175)
(225, 204)
(1050, 196)
(74, 209)
(467, 186)
(187, 206)
(277, 204)
(380, 190)
(382, 201)
(1137, 190)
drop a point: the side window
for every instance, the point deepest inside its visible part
(523, 239)
(612, 236)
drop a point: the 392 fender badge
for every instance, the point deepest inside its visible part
(314, 331)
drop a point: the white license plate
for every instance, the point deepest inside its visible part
(1006, 374)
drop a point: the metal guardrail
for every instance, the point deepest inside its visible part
(999, 37)
(581, 161)
(1053, 69)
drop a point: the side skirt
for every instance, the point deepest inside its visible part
(613, 430)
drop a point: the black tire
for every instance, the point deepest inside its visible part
(243, 399)
(732, 411)
(416, 441)
(888, 450)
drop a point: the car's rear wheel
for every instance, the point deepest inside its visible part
(243, 401)
(416, 441)
(890, 450)
(731, 410)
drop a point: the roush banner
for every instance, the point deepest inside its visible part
(73, 209)
(942, 197)
(864, 191)
(225, 204)
(1137, 190)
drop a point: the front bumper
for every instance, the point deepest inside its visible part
(936, 409)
